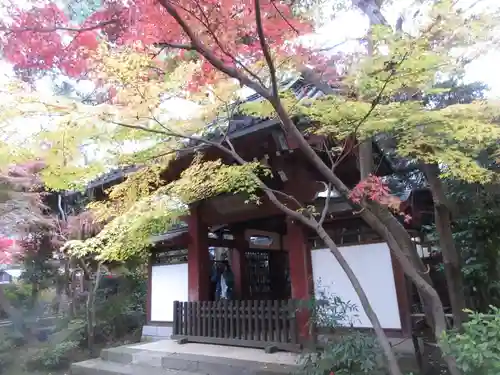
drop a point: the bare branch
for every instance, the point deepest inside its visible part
(139, 127)
(284, 18)
(265, 49)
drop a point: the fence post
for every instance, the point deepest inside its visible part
(176, 318)
(292, 307)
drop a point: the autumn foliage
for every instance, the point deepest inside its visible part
(374, 188)
(21, 206)
(6, 250)
(45, 38)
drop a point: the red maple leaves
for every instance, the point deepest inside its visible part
(38, 39)
(6, 255)
(45, 38)
(374, 188)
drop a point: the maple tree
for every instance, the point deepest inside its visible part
(44, 37)
(21, 209)
(21, 198)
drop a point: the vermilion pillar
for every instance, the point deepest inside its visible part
(238, 264)
(299, 255)
(198, 258)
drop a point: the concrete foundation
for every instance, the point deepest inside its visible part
(168, 357)
(155, 333)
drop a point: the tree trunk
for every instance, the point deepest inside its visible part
(365, 158)
(451, 257)
(432, 299)
(380, 219)
(392, 361)
(91, 289)
(365, 149)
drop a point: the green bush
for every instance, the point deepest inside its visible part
(120, 314)
(6, 346)
(51, 357)
(19, 294)
(353, 353)
(477, 347)
(345, 350)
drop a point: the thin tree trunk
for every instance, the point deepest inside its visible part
(365, 158)
(365, 149)
(451, 258)
(432, 299)
(392, 361)
(90, 309)
(380, 219)
(318, 227)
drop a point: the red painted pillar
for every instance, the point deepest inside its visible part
(238, 265)
(299, 255)
(198, 258)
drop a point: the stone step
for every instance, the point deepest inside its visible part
(101, 367)
(192, 363)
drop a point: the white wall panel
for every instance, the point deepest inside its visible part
(373, 266)
(169, 283)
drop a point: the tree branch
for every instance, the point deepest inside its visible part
(163, 45)
(210, 56)
(327, 203)
(58, 28)
(208, 26)
(265, 49)
(270, 193)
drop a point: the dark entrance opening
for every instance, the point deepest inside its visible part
(267, 275)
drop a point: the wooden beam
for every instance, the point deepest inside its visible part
(198, 258)
(300, 262)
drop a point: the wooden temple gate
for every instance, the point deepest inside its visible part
(270, 323)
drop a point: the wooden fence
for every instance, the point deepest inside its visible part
(239, 323)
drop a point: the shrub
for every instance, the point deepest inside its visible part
(6, 346)
(477, 346)
(351, 353)
(121, 313)
(346, 350)
(51, 357)
(19, 295)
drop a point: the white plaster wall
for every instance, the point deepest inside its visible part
(169, 283)
(373, 266)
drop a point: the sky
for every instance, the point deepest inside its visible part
(351, 24)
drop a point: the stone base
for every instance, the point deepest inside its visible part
(156, 333)
(169, 358)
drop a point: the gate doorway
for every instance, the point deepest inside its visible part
(267, 275)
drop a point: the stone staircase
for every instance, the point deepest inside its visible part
(191, 359)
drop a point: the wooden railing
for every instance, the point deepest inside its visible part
(263, 324)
